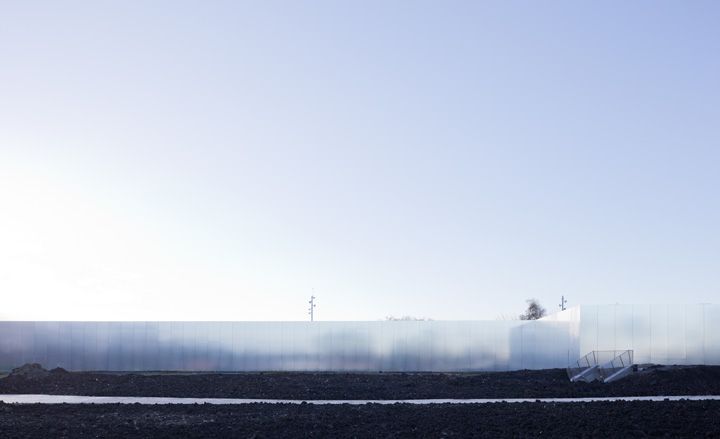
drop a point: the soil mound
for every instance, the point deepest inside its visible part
(30, 371)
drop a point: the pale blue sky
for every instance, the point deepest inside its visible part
(218, 160)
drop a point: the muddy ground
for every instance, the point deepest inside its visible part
(696, 380)
(598, 419)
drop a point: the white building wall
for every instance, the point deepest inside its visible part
(287, 346)
(660, 334)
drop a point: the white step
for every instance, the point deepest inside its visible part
(619, 374)
(588, 375)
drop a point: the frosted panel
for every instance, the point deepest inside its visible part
(711, 334)
(657, 333)
(255, 346)
(676, 353)
(624, 327)
(642, 330)
(588, 329)
(694, 327)
(606, 328)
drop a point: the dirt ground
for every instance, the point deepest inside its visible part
(696, 380)
(598, 419)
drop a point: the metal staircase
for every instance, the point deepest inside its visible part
(604, 366)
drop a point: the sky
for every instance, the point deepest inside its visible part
(175, 160)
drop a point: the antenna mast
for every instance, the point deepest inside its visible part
(563, 302)
(311, 310)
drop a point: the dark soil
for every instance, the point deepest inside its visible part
(597, 419)
(695, 380)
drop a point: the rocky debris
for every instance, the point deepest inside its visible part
(561, 420)
(30, 371)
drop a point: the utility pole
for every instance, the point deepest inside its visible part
(311, 310)
(563, 302)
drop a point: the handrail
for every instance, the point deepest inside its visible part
(607, 362)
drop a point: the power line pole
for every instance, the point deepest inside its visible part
(563, 302)
(311, 310)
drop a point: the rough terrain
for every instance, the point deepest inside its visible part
(598, 419)
(595, 419)
(695, 380)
